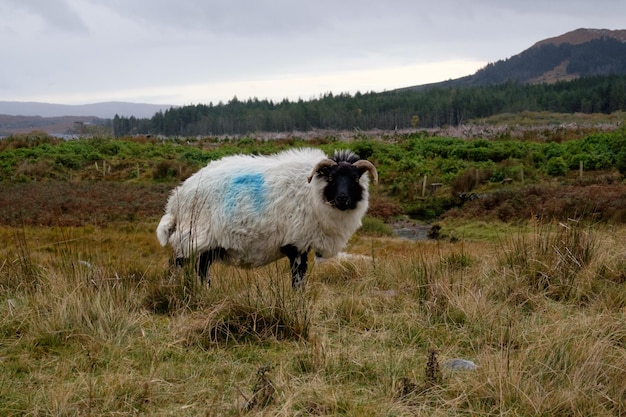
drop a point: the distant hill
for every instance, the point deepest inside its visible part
(65, 125)
(24, 117)
(580, 53)
(105, 110)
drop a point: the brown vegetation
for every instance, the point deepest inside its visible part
(57, 203)
(595, 202)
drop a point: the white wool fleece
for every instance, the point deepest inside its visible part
(251, 206)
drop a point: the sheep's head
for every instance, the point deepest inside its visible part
(342, 173)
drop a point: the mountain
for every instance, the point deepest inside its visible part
(579, 53)
(105, 110)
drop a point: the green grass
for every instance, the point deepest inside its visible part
(94, 322)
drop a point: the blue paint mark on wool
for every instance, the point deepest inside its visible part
(246, 191)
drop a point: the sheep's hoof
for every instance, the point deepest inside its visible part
(297, 283)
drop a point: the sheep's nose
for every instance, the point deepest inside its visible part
(342, 201)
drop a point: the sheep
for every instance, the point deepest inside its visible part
(249, 211)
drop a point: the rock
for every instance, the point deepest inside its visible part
(458, 364)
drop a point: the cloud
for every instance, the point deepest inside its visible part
(94, 50)
(53, 15)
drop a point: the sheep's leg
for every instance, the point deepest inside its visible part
(203, 268)
(298, 261)
(206, 259)
(204, 262)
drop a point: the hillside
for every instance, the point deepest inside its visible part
(576, 54)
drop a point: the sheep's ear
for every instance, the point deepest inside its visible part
(362, 165)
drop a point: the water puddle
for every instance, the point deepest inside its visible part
(409, 230)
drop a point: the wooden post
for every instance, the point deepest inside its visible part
(580, 169)
(521, 174)
(433, 187)
(424, 186)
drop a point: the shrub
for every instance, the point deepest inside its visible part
(69, 159)
(171, 170)
(470, 178)
(383, 207)
(556, 167)
(430, 208)
(364, 148)
(375, 227)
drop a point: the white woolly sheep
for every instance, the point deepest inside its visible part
(252, 210)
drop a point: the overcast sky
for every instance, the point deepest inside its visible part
(199, 51)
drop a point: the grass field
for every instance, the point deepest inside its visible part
(93, 321)
(527, 280)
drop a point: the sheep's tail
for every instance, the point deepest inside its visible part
(166, 227)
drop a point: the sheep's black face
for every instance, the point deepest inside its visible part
(342, 190)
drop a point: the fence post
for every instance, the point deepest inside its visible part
(580, 169)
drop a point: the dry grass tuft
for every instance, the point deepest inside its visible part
(553, 262)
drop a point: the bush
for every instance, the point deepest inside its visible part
(363, 148)
(556, 167)
(430, 208)
(171, 170)
(375, 227)
(470, 178)
(383, 207)
(68, 160)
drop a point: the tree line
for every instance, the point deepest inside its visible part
(433, 107)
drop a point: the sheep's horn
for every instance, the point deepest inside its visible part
(322, 164)
(364, 165)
